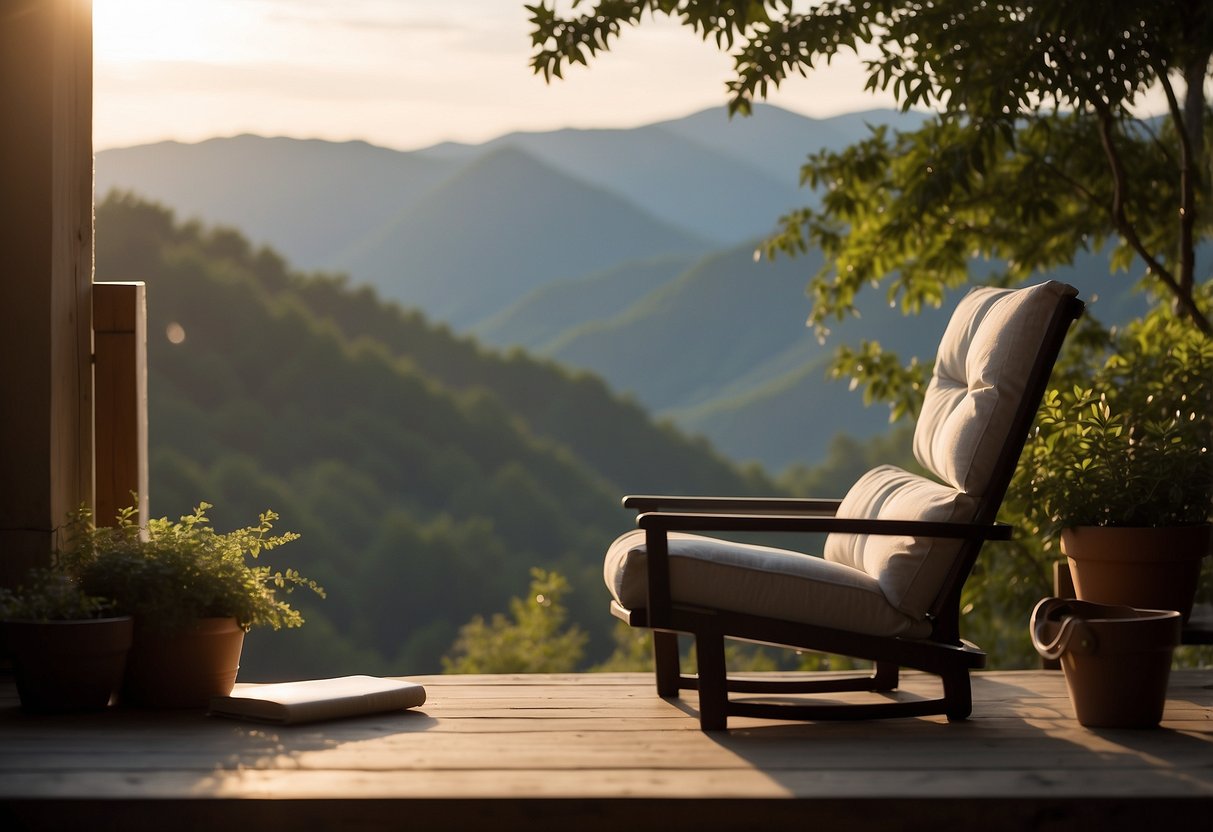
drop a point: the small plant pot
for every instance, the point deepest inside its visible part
(1148, 568)
(1116, 659)
(183, 670)
(64, 666)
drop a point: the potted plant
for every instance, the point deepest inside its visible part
(68, 648)
(193, 592)
(1123, 468)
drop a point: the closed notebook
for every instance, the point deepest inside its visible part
(316, 699)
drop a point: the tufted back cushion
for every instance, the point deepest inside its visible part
(981, 372)
(910, 570)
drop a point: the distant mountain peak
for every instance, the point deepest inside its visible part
(460, 213)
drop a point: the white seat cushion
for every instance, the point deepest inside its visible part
(759, 580)
(908, 570)
(981, 373)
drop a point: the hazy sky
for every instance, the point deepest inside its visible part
(400, 73)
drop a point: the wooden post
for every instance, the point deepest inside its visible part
(120, 395)
(46, 240)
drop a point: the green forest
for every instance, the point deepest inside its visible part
(426, 474)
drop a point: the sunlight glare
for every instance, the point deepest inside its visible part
(143, 31)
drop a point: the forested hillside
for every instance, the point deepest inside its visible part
(546, 314)
(425, 474)
(723, 348)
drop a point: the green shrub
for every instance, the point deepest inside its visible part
(1131, 445)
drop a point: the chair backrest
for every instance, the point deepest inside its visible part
(979, 389)
(990, 373)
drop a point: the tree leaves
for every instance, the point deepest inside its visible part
(535, 639)
(1036, 152)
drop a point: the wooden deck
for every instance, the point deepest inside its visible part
(591, 752)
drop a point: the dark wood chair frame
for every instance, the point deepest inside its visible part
(943, 653)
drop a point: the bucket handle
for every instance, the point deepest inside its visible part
(1074, 635)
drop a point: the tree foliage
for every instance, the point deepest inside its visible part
(1036, 151)
(535, 639)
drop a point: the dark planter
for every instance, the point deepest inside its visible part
(183, 670)
(1116, 659)
(1143, 567)
(68, 665)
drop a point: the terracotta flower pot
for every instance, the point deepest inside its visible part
(68, 665)
(183, 670)
(1147, 568)
(1116, 659)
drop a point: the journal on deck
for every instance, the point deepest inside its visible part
(316, 699)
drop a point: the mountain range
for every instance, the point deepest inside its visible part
(625, 252)
(720, 179)
(503, 225)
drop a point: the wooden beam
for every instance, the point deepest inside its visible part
(120, 394)
(46, 235)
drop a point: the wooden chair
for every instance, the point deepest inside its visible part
(899, 550)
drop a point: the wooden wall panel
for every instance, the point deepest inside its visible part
(46, 236)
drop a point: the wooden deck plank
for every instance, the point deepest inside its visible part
(748, 783)
(420, 744)
(545, 751)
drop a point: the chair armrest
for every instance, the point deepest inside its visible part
(743, 505)
(668, 521)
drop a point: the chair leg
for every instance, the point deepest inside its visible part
(713, 682)
(886, 677)
(957, 694)
(665, 660)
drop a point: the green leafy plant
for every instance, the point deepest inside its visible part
(51, 595)
(1134, 447)
(170, 573)
(536, 640)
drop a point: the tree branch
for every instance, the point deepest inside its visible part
(1185, 301)
(1077, 186)
(1187, 188)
